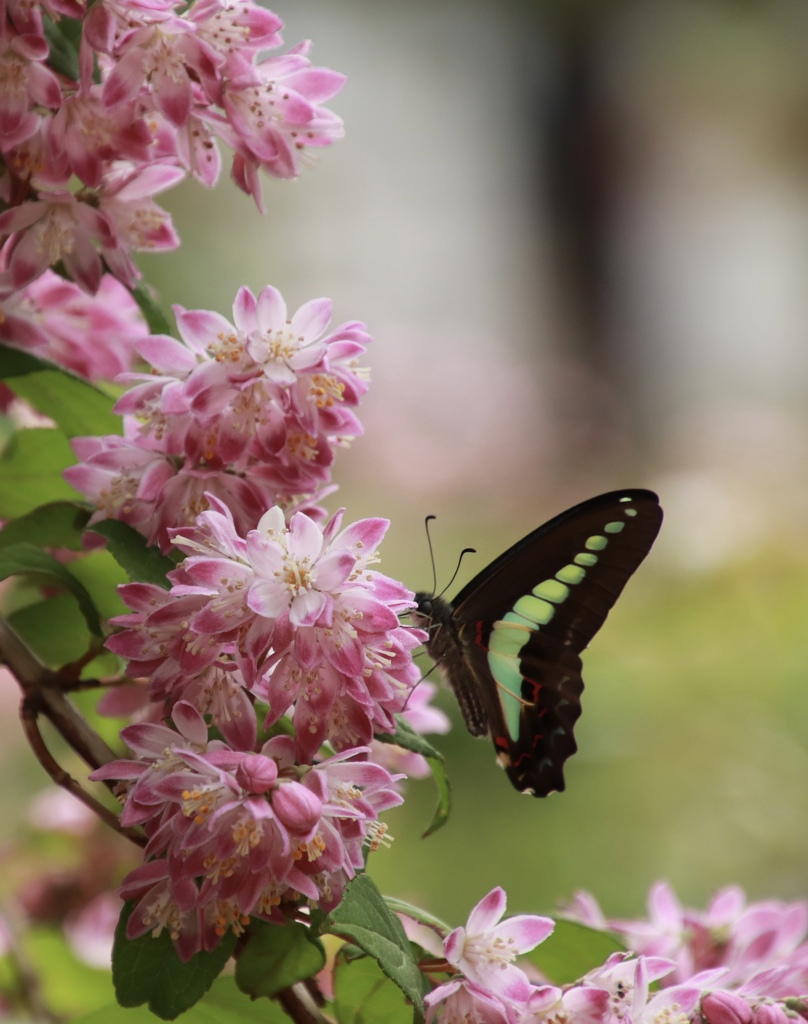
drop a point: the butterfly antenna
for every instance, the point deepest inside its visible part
(427, 521)
(465, 551)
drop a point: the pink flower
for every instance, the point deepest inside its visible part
(139, 224)
(760, 947)
(165, 57)
(56, 226)
(239, 832)
(93, 335)
(85, 135)
(485, 949)
(455, 1002)
(628, 979)
(771, 1013)
(282, 347)
(235, 28)
(27, 83)
(583, 1004)
(275, 111)
(294, 574)
(255, 432)
(122, 480)
(292, 612)
(726, 1008)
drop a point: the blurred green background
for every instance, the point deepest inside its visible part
(579, 235)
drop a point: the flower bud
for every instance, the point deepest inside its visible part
(257, 773)
(726, 1008)
(771, 1013)
(297, 808)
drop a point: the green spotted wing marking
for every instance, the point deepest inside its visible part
(512, 633)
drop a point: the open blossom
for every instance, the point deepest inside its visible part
(158, 87)
(93, 335)
(485, 950)
(293, 612)
(275, 112)
(733, 963)
(27, 84)
(459, 1001)
(234, 834)
(139, 224)
(164, 57)
(758, 946)
(57, 226)
(85, 136)
(249, 411)
(491, 987)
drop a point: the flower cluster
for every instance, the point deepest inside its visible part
(250, 411)
(732, 964)
(292, 615)
(90, 134)
(106, 105)
(759, 948)
(235, 834)
(269, 609)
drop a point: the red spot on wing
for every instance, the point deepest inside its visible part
(478, 635)
(537, 687)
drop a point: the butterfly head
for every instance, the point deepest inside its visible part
(421, 615)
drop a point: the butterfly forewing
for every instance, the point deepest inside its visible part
(556, 545)
(515, 632)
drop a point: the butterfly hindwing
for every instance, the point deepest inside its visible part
(510, 642)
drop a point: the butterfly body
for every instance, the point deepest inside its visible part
(509, 645)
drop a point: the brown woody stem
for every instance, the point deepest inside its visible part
(43, 694)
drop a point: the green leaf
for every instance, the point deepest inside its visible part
(63, 41)
(31, 471)
(276, 956)
(572, 950)
(364, 995)
(405, 736)
(101, 575)
(417, 914)
(364, 918)
(151, 310)
(441, 815)
(223, 1004)
(54, 629)
(75, 405)
(59, 524)
(142, 563)
(148, 970)
(26, 559)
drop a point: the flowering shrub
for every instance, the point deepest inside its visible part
(274, 710)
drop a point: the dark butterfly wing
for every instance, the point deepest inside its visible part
(522, 623)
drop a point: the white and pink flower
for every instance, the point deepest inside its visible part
(239, 832)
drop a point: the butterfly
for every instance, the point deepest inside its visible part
(509, 644)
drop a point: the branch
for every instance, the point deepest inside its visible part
(301, 1005)
(28, 717)
(44, 695)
